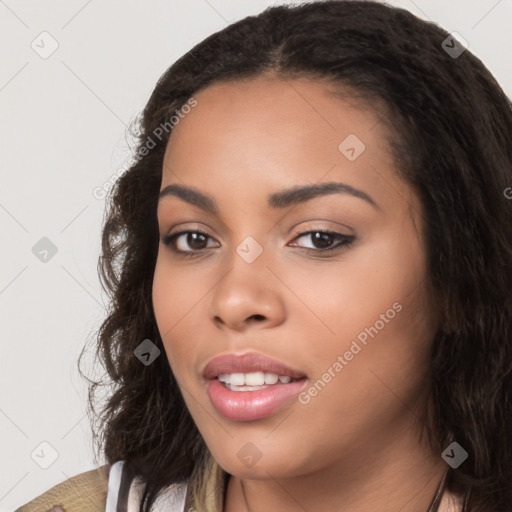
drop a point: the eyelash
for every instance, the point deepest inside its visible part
(346, 241)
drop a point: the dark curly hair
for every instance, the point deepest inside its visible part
(450, 128)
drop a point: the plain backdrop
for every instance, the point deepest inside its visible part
(64, 133)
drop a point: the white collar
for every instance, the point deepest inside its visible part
(170, 500)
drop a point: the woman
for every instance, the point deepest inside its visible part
(309, 261)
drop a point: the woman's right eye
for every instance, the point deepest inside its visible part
(195, 240)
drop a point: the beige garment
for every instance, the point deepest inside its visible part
(86, 492)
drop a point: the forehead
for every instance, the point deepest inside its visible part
(266, 134)
(263, 108)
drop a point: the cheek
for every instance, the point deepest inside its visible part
(383, 358)
(389, 269)
(164, 298)
(178, 289)
(350, 293)
(373, 307)
(174, 295)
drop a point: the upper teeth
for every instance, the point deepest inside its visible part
(253, 378)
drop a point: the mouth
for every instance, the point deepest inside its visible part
(249, 387)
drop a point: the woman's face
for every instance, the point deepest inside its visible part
(356, 321)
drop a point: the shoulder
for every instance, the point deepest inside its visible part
(81, 493)
(109, 488)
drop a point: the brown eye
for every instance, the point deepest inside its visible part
(322, 240)
(187, 241)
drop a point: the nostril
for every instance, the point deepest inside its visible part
(258, 317)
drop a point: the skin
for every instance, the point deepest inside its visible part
(357, 442)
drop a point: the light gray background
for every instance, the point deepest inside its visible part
(63, 133)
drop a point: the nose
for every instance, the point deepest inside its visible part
(248, 296)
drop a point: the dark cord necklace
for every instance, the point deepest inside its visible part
(433, 507)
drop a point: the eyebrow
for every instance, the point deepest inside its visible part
(281, 199)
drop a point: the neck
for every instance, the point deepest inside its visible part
(403, 475)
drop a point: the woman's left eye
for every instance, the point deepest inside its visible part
(322, 241)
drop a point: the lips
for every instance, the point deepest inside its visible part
(245, 363)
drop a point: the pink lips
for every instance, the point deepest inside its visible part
(250, 405)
